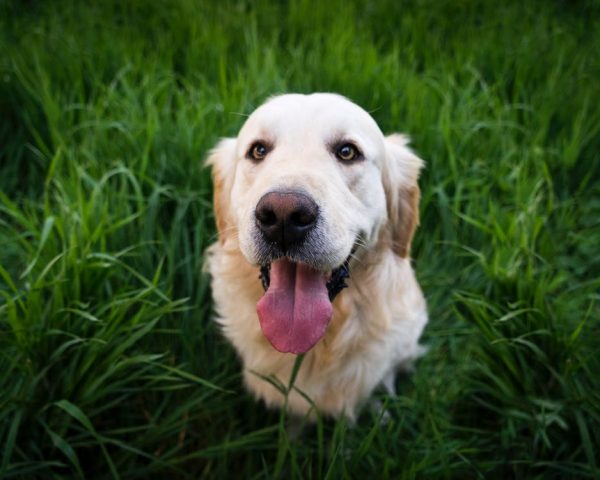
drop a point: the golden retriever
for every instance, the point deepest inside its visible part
(311, 198)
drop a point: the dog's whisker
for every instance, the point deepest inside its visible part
(356, 258)
(374, 110)
(230, 232)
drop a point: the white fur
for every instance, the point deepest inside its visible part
(371, 203)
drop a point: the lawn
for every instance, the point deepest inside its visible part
(110, 364)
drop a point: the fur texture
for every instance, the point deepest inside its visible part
(368, 211)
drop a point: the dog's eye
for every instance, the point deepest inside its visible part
(347, 152)
(258, 151)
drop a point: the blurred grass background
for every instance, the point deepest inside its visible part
(110, 366)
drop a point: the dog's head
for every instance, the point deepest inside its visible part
(309, 182)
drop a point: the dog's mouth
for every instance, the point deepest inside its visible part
(296, 308)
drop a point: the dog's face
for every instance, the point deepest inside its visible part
(309, 182)
(325, 149)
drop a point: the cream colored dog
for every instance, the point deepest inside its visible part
(309, 193)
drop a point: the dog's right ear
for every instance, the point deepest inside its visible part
(400, 174)
(222, 162)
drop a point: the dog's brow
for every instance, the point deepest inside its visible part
(343, 137)
(339, 136)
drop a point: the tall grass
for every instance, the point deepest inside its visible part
(110, 366)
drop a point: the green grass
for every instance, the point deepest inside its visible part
(110, 366)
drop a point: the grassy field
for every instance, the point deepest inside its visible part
(110, 365)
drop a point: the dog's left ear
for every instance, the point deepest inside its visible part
(222, 161)
(400, 174)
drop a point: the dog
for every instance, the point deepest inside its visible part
(315, 212)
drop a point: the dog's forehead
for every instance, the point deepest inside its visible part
(319, 115)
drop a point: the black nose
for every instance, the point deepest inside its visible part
(286, 217)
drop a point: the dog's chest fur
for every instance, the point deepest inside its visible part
(374, 332)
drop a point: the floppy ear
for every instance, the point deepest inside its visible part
(400, 173)
(222, 162)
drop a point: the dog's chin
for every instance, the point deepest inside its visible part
(314, 252)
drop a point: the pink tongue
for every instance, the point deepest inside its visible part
(295, 310)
